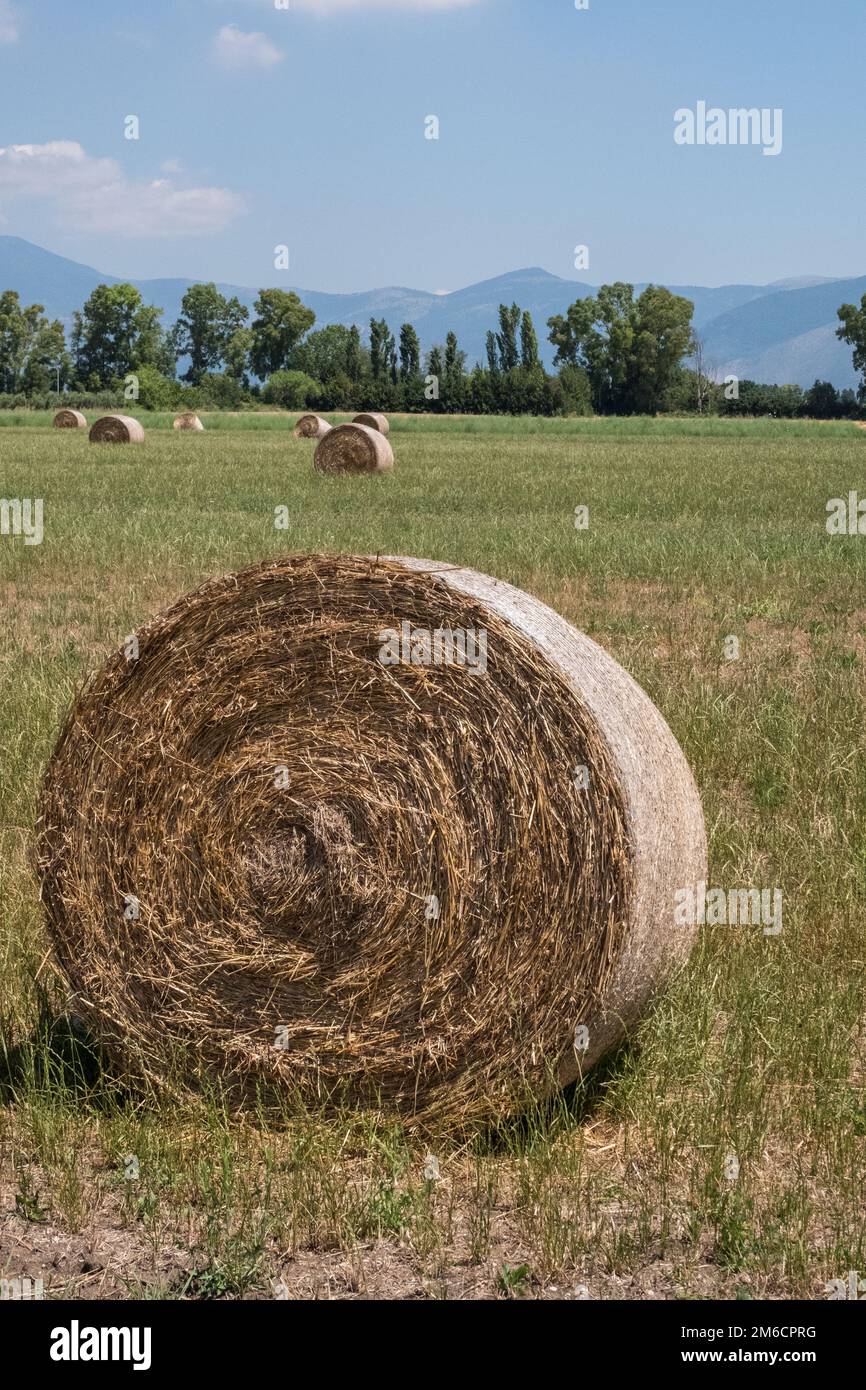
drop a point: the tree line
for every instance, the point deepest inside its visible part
(615, 354)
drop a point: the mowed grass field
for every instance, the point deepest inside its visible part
(723, 1151)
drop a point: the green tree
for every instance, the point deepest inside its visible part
(116, 332)
(436, 371)
(236, 355)
(821, 401)
(853, 331)
(434, 363)
(754, 398)
(383, 350)
(290, 389)
(575, 395)
(217, 389)
(156, 391)
(13, 340)
(663, 337)
(693, 392)
(410, 352)
(33, 352)
(492, 353)
(208, 322)
(454, 365)
(337, 393)
(506, 341)
(355, 360)
(280, 323)
(528, 342)
(480, 397)
(327, 353)
(569, 332)
(48, 365)
(455, 360)
(631, 349)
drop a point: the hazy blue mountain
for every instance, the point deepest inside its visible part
(787, 335)
(471, 312)
(783, 332)
(40, 277)
(803, 282)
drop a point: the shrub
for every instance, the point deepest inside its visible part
(216, 389)
(155, 391)
(291, 390)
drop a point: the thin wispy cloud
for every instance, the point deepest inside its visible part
(336, 7)
(241, 52)
(326, 7)
(94, 195)
(10, 23)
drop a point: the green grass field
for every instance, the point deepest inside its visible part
(699, 530)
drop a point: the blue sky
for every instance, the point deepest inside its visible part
(306, 127)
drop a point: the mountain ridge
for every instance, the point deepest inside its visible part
(783, 331)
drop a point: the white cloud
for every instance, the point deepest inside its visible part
(94, 195)
(10, 24)
(234, 49)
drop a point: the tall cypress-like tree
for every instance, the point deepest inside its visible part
(354, 354)
(454, 394)
(509, 321)
(528, 342)
(436, 369)
(410, 352)
(455, 360)
(382, 349)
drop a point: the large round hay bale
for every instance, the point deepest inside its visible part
(311, 427)
(187, 421)
(66, 419)
(367, 831)
(353, 449)
(117, 429)
(374, 421)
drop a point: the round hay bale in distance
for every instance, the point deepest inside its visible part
(117, 429)
(353, 449)
(374, 421)
(188, 420)
(370, 831)
(67, 419)
(311, 427)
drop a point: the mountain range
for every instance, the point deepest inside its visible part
(783, 332)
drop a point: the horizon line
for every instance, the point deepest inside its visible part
(434, 294)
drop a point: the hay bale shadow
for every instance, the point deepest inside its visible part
(563, 1108)
(59, 1055)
